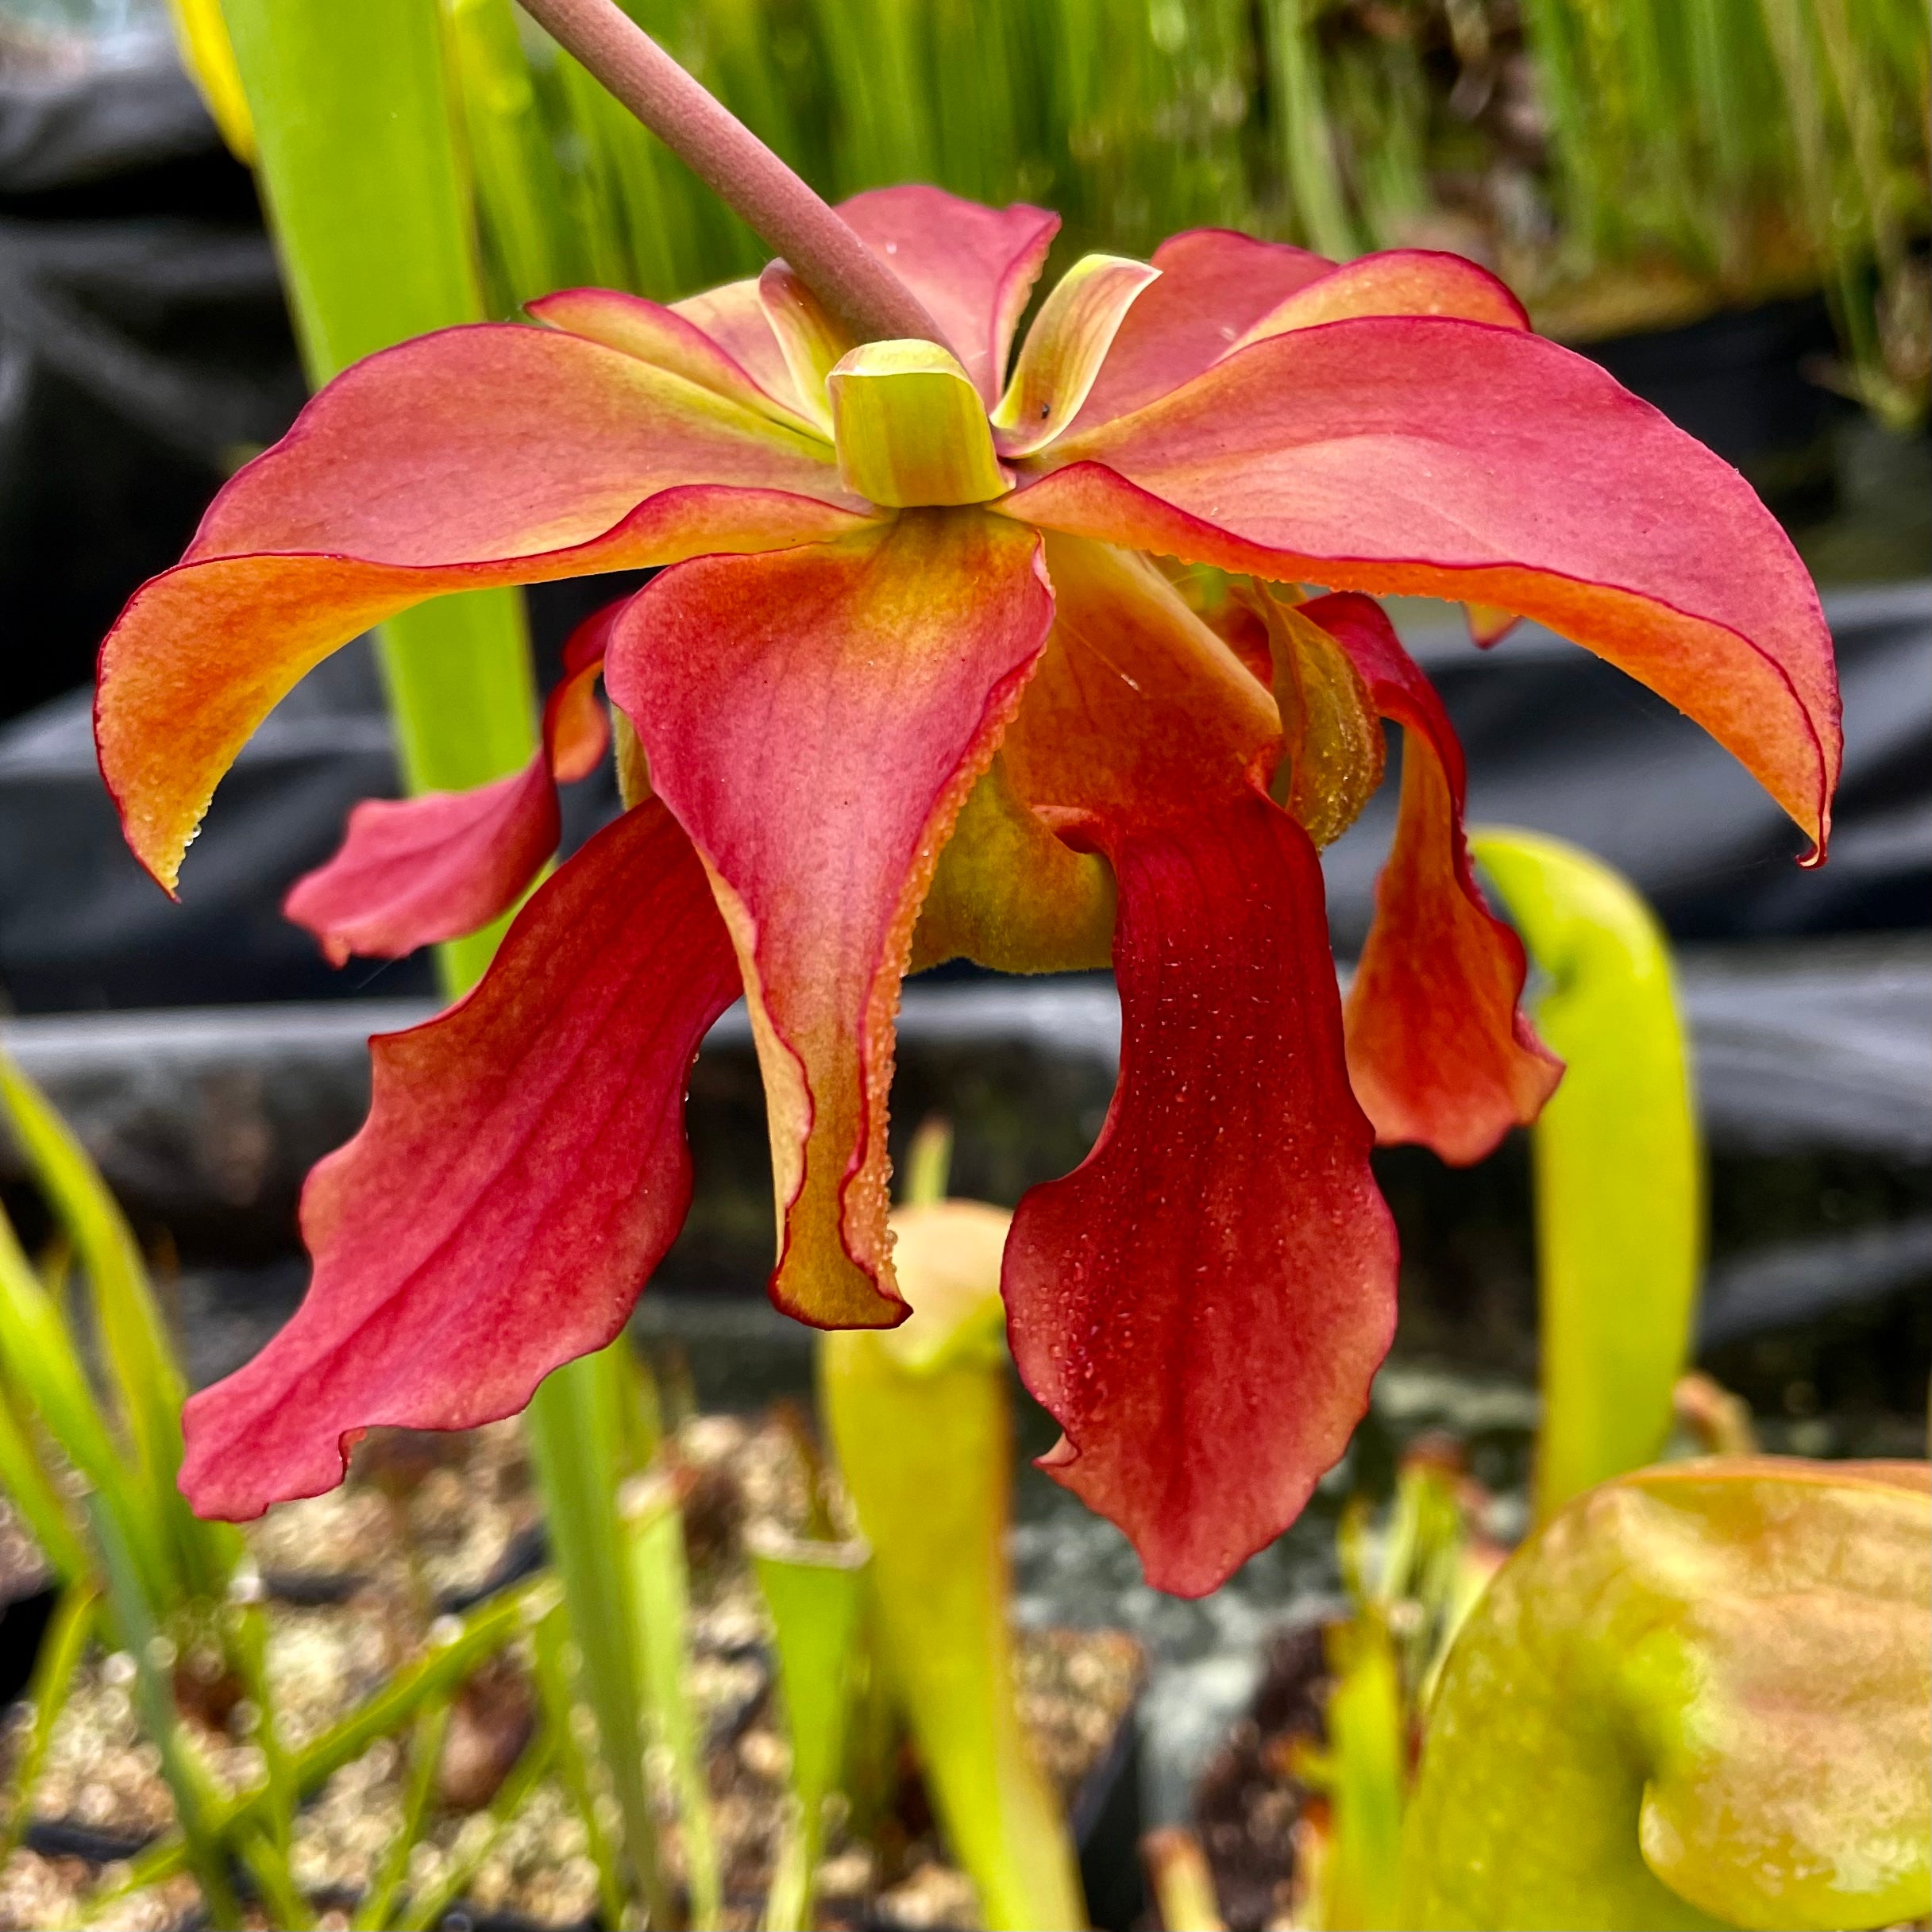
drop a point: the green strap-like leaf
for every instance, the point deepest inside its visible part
(1619, 1164)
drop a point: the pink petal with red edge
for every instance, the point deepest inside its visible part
(204, 652)
(523, 1171)
(412, 872)
(1448, 459)
(972, 266)
(815, 719)
(1399, 282)
(492, 441)
(1214, 284)
(732, 316)
(1201, 1303)
(655, 335)
(1439, 1050)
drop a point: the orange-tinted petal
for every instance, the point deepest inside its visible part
(1138, 707)
(1065, 348)
(1214, 284)
(1200, 1305)
(1009, 895)
(1439, 1049)
(1453, 460)
(815, 718)
(972, 266)
(413, 871)
(1399, 282)
(523, 1171)
(204, 652)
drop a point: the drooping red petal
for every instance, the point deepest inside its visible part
(1439, 1050)
(1444, 457)
(815, 718)
(972, 266)
(522, 1170)
(1202, 1303)
(413, 871)
(1214, 284)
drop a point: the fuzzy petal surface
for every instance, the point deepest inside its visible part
(1452, 459)
(1202, 1303)
(521, 1171)
(815, 718)
(972, 266)
(1439, 1049)
(413, 871)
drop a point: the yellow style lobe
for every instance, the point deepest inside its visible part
(910, 429)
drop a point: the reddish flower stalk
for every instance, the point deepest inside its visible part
(856, 287)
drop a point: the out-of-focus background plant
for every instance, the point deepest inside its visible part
(1620, 166)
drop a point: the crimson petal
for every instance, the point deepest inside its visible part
(521, 1171)
(1438, 1047)
(815, 719)
(1202, 1303)
(413, 871)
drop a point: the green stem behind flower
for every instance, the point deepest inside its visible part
(1619, 1160)
(359, 170)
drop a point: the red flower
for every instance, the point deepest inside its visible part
(911, 688)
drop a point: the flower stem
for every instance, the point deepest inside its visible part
(854, 285)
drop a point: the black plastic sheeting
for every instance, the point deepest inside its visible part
(1557, 741)
(143, 349)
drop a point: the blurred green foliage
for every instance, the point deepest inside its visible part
(1623, 162)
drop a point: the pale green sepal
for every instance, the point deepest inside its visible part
(910, 428)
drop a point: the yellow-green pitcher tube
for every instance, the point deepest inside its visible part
(921, 1419)
(359, 168)
(1619, 1169)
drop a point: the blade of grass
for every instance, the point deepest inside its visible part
(575, 1444)
(431, 1909)
(1619, 1164)
(188, 1783)
(519, 185)
(1304, 133)
(436, 1674)
(560, 1713)
(43, 1365)
(378, 1907)
(661, 1594)
(62, 1646)
(141, 1355)
(36, 1495)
